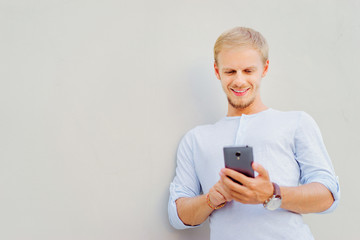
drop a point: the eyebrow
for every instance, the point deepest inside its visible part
(229, 68)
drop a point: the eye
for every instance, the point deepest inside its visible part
(230, 72)
(248, 71)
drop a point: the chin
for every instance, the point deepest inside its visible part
(240, 104)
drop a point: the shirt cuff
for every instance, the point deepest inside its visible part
(174, 218)
(334, 188)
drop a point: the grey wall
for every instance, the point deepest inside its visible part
(95, 96)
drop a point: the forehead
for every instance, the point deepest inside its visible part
(241, 57)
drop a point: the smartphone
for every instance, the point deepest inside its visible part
(239, 159)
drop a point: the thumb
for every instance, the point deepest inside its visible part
(260, 170)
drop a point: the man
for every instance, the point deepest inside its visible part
(294, 174)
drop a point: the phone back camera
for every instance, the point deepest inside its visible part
(238, 154)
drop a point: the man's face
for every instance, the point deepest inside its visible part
(240, 71)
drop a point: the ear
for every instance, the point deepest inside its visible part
(266, 67)
(217, 72)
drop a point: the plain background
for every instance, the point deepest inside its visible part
(96, 95)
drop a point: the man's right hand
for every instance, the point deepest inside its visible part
(218, 195)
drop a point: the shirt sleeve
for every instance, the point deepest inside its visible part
(313, 159)
(185, 183)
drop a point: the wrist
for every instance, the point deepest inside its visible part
(211, 205)
(274, 202)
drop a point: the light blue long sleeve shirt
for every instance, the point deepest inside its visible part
(288, 144)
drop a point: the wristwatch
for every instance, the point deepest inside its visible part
(274, 202)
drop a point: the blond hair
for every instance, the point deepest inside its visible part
(242, 37)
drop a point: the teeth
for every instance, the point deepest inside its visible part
(240, 91)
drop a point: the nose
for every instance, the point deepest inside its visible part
(239, 79)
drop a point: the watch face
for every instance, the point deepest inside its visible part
(274, 203)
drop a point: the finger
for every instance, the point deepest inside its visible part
(260, 170)
(223, 190)
(236, 175)
(237, 192)
(223, 184)
(242, 197)
(229, 185)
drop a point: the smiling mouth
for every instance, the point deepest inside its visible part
(240, 92)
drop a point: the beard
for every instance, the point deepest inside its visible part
(242, 104)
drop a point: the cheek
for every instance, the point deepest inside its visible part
(255, 80)
(225, 81)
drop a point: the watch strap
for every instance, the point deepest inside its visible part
(276, 195)
(277, 192)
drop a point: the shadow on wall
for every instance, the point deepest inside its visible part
(207, 104)
(205, 90)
